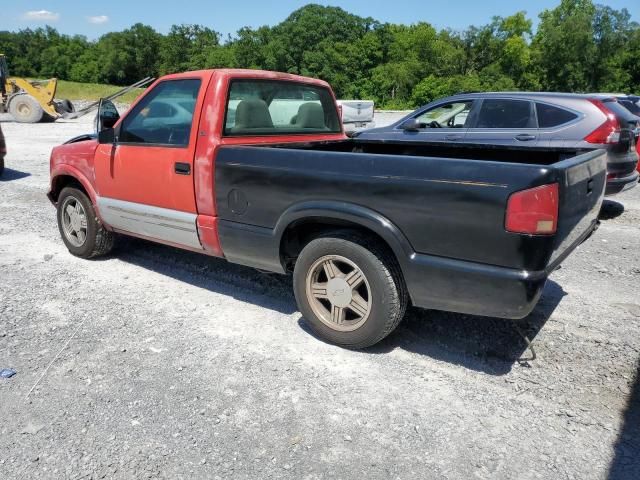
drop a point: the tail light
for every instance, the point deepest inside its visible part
(533, 211)
(609, 131)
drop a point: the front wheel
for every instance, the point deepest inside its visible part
(81, 231)
(349, 289)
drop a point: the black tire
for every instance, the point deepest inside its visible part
(68, 106)
(388, 296)
(25, 109)
(1, 166)
(98, 240)
(65, 106)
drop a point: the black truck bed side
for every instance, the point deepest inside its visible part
(443, 217)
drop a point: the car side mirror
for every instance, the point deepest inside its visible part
(107, 115)
(106, 136)
(411, 125)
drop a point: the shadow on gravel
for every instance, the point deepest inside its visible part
(267, 290)
(484, 344)
(626, 462)
(489, 345)
(10, 174)
(610, 210)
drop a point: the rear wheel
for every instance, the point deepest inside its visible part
(25, 109)
(81, 231)
(349, 289)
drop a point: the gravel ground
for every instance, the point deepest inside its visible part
(158, 363)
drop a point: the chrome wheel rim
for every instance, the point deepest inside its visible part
(339, 293)
(74, 221)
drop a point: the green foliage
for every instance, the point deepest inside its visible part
(578, 46)
(93, 91)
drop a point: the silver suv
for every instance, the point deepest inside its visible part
(532, 119)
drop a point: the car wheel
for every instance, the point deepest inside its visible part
(349, 289)
(81, 231)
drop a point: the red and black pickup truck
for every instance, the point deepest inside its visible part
(254, 167)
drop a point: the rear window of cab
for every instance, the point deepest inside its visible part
(276, 107)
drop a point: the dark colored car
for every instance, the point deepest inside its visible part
(528, 120)
(3, 151)
(632, 103)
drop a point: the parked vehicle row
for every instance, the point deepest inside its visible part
(530, 120)
(255, 167)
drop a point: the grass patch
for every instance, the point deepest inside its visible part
(93, 91)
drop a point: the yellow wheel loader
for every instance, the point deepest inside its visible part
(30, 101)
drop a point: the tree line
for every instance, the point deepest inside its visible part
(578, 46)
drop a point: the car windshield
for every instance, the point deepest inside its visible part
(453, 115)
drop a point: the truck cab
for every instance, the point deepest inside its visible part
(151, 173)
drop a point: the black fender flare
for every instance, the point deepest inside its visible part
(349, 212)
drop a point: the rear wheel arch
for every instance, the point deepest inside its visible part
(302, 223)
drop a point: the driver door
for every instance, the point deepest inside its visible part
(144, 178)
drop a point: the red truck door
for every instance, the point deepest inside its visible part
(145, 180)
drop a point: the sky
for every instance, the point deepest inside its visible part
(94, 18)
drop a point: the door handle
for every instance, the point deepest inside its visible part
(525, 137)
(182, 168)
(452, 136)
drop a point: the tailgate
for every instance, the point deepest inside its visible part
(582, 182)
(353, 111)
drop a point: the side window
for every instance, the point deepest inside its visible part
(449, 115)
(275, 107)
(164, 116)
(505, 113)
(551, 116)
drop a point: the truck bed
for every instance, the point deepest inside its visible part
(445, 204)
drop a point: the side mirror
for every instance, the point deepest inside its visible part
(107, 115)
(411, 125)
(107, 135)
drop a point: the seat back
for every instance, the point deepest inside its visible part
(253, 114)
(310, 115)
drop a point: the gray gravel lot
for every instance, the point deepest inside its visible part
(174, 365)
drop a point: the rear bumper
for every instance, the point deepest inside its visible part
(620, 184)
(478, 289)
